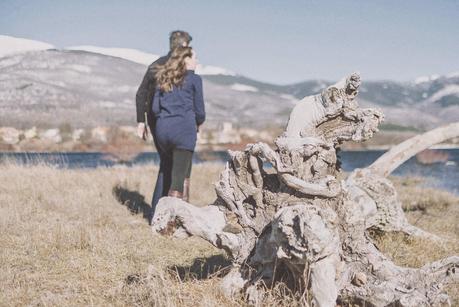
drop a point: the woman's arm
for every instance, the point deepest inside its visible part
(155, 104)
(198, 101)
(142, 94)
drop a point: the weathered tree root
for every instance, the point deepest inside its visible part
(181, 219)
(379, 201)
(297, 222)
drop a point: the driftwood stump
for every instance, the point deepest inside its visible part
(285, 213)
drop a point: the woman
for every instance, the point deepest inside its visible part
(178, 106)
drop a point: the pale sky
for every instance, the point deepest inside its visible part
(275, 41)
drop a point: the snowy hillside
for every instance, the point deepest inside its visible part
(11, 45)
(86, 89)
(133, 55)
(145, 58)
(91, 86)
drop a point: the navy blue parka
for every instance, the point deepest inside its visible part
(178, 113)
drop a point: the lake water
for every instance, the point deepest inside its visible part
(440, 175)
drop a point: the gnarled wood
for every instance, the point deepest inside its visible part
(297, 217)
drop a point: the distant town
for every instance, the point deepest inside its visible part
(123, 139)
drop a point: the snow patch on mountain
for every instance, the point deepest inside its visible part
(424, 79)
(243, 88)
(290, 98)
(213, 70)
(10, 45)
(320, 86)
(133, 55)
(454, 74)
(446, 91)
(145, 58)
(80, 68)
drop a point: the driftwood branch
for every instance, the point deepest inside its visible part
(395, 157)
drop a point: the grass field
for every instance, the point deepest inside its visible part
(79, 237)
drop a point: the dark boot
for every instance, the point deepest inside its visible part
(186, 190)
(174, 193)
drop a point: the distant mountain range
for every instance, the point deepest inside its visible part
(88, 86)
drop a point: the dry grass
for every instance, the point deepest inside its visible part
(433, 210)
(79, 237)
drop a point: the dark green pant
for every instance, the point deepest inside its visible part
(181, 168)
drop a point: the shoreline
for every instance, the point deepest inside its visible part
(222, 149)
(387, 147)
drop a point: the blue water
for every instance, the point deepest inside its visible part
(443, 175)
(440, 175)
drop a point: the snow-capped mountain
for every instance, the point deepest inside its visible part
(145, 58)
(133, 55)
(10, 45)
(93, 86)
(423, 79)
(87, 89)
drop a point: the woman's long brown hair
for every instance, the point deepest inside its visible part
(173, 71)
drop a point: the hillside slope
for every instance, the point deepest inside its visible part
(84, 89)
(87, 86)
